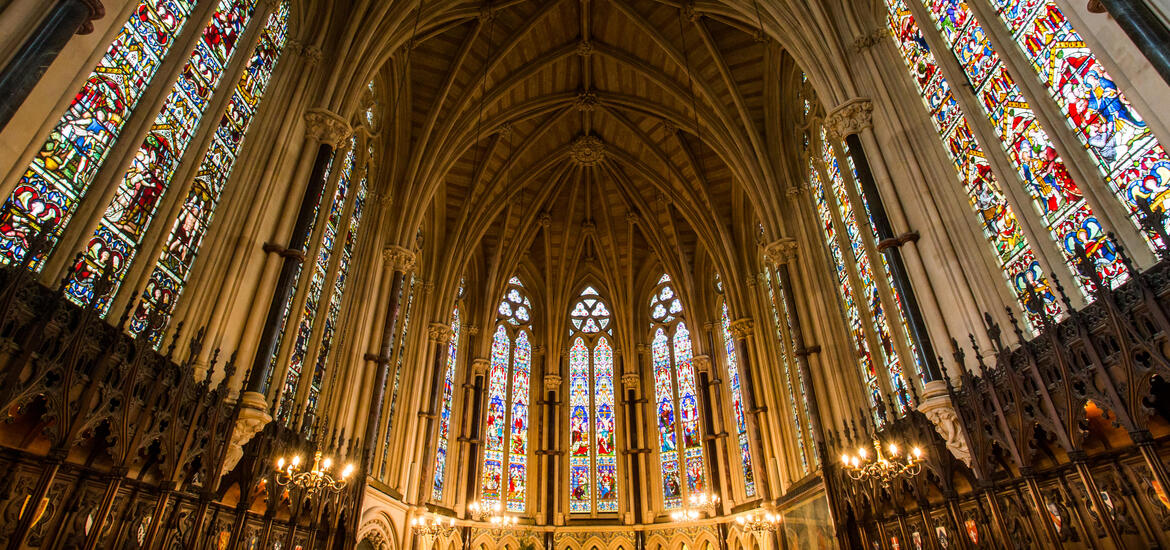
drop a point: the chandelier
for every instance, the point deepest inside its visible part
(428, 528)
(758, 524)
(880, 468)
(697, 504)
(318, 478)
(492, 514)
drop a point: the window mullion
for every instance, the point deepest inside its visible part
(1091, 183)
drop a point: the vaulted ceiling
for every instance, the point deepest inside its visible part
(566, 137)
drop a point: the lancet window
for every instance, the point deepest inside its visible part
(445, 409)
(676, 397)
(794, 383)
(505, 456)
(394, 381)
(58, 179)
(737, 406)
(995, 105)
(872, 307)
(592, 420)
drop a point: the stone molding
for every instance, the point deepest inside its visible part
(702, 363)
(327, 127)
(781, 251)
(398, 257)
(552, 382)
(631, 380)
(852, 117)
(587, 150)
(937, 407)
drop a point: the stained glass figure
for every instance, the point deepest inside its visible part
(60, 174)
(173, 266)
(1113, 133)
(1000, 224)
(120, 231)
(737, 405)
(505, 457)
(680, 450)
(445, 408)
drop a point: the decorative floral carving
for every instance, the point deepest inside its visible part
(400, 258)
(586, 101)
(852, 117)
(867, 41)
(253, 417)
(439, 333)
(937, 407)
(781, 251)
(742, 328)
(587, 151)
(327, 127)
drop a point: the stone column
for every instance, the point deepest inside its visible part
(1143, 27)
(631, 387)
(551, 453)
(28, 64)
(472, 428)
(779, 255)
(326, 130)
(397, 261)
(846, 123)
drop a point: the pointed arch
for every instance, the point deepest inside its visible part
(592, 420)
(505, 458)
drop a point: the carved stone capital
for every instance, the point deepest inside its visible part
(472, 329)
(631, 380)
(742, 328)
(253, 417)
(544, 219)
(643, 349)
(397, 257)
(552, 382)
(587, 151)
(852, 117)
(439, 333)
(327, 127)
(937, 407)
(631, 218)
(870, 39)
(702, 363)
(312, 55)
(538, 351)
(781, 251)
(480, 365)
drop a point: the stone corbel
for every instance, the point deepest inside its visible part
(937, 407)
(781, 252)
(479, 366)
(327, 127)
(397, 257)
(552, 382)
(852, 117)
(702, 363)
(631, 380)
(253, 417)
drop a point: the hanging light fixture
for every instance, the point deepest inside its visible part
(697, 505)
(882, 468)
(316, 479)
(759, 524)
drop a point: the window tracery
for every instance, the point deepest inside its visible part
(676, 397)
(506, 425)
(592, 420)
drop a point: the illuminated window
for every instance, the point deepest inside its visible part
(506, 425)
(592, 420)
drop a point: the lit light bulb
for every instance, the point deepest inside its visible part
(280, 463)
(861, 452)
(327, 463)
(296, 461)
(916, 452)
(893, 449)
(347, 471)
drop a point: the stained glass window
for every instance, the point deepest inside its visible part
(680, 449)
(63, 169)
(506, 425)
(319, 272)
(1113, 133)
(394, 381)
(1001, 226)
(141, 189)
(1061, 204)
(798, 402)
(445, 410)
(592, 421)
(848, 227)
(737, 406)
(179, 251)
